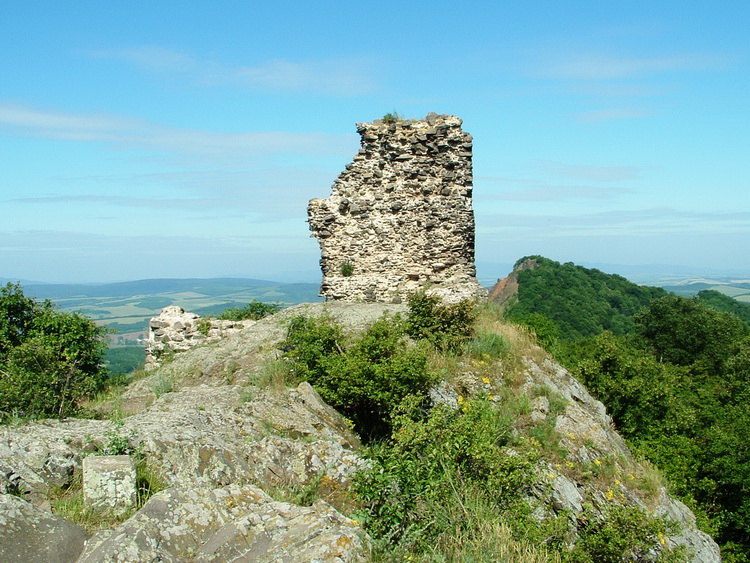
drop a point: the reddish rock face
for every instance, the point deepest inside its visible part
(400, 215)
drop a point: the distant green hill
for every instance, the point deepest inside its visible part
(584, 302)
(580, 301)
(724, 303)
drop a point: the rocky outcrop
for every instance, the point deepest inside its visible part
(400, 216)
(505, 291)
(233, 453)
(599, 469)
(231, 523)
(176, 330)
(29, 534)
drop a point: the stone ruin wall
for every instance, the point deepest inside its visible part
(400, 215)
(175, 330)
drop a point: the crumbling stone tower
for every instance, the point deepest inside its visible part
(400, 217)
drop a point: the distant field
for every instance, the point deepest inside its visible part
(740, 290)
(127, 307)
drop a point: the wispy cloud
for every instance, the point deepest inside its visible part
(127, 132)
(597, 115)
(342, 77)
(588, 172)
(603, 67)
(635, 223)
(520, 189)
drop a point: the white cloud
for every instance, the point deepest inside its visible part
(588, 172)
(603, 67)
(515, 189)
(342, 77)
(633, 223)
(127, 132)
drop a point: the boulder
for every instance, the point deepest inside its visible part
(231, 523)
(29, 534)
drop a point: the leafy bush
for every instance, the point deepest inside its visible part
(447, 326)
(365, 378)
(49, 360)
(489, 345)
(416, 491)
(392, 117)
(253, 311)
(623, 534)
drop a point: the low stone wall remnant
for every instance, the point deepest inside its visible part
(176, 330)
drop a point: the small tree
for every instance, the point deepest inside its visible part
(49, 360)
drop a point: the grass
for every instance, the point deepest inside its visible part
(69, 504)
(162, 384)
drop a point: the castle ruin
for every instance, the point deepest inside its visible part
(400, 218)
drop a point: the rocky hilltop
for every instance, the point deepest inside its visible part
(254, 471)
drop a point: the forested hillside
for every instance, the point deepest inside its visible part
(674, 373)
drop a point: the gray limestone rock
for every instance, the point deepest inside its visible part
(31, 535)
(231, 523)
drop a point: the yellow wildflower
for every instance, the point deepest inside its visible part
(597, 462)
(460, 400)
(610, 494)
(486, 380)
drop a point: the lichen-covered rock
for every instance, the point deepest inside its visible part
(109, 483)
(232, 523)
(400, 216)
(599, 468)
(31, 535)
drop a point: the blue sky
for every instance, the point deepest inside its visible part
(184, 139)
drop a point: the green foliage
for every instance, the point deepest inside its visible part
(347, 269)
(254, 310)
(122, 360)
(488, 345)
(203, 326)
(417, 490)
(392, 117)
(580, 301)
(364, 378)
(446, 326)
(623, 534)
(49, 360)
(725, 304)
(685, 332)
(680, 393)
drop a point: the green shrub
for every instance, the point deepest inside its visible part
(488, 345)
(416, 491)
(49, 360)
(447, 326)
(392, 117)
(364, 379)
(254, 310)
(624, 534)
(203, 326)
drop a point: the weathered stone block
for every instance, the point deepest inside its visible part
(109, 483)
